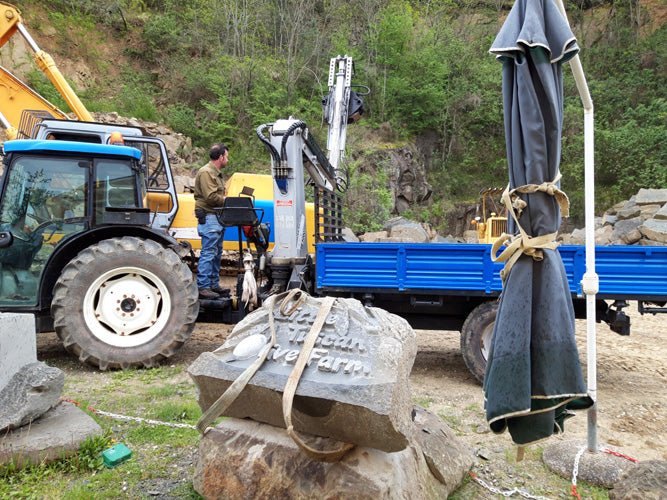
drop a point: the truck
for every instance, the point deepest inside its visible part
(443, 286)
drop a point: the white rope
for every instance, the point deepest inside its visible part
(508, 493)
(144, 420)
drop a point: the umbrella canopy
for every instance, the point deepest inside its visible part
(533, 376)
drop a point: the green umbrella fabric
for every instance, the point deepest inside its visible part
(533, 377)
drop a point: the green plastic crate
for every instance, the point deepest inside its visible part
(116, 455)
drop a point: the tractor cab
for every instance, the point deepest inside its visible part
(53, 190)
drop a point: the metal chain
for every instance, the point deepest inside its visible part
(575, 468)
(508, 493)
(125, 418)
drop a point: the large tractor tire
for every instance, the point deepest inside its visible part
(125, 302)
(476, 337)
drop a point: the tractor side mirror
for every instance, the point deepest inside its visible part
(6, 239)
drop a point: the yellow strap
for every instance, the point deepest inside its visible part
(293, 382)
(236, 387)
(292, 300)
(523, 243)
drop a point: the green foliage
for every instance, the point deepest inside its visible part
(373, 202)
(216, 71)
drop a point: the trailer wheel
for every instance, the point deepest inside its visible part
(125, 302)
(476, 337)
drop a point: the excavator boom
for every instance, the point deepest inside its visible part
(17, 96)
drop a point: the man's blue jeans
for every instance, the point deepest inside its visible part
(208, 269)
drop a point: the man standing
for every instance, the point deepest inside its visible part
(209, 194)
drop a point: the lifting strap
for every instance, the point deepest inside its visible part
(290, 303)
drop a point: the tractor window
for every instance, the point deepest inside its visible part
(44, 202)
(115, 186)
(159, 200)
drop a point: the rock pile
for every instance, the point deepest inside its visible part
(641, 220)
(36, 426)
(354, 389)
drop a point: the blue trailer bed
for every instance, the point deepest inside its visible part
(625, 272)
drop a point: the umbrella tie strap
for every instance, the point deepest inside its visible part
(523, 243)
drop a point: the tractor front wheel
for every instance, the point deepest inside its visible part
(125, 302)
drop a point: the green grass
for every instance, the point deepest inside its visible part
(160, 454)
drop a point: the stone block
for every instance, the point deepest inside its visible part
(354, 389)
(241, 459)
(651, 197)
(626, 232)
(646, 481)
(373, 237)
(471, 236)
(33, 390)
(603, 235)
(649, 211)
(348, 235)
(409, 233)
(662, 213)
(655, 230)
(629, 212)
(56, 434)
(18, 344)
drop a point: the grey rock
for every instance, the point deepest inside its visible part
(609, 219)
(348, 235)
(241, 459)
(651, 196)
(354, 389)
(603, 235)
(471, 236)
(655, 230)
(629, 212)
(645, 481)
(649, 211)
(58, 433)
(600, 468)
(33, 390)
(447, 458)
(650, 243)
(406, 230)
(445, 239)
(578, 237)
(373, 237)
(662, 213)
(626, 232)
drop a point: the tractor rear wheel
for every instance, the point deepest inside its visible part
(476, 337)
(125, 302)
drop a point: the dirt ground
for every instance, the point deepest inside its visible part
(631, 384)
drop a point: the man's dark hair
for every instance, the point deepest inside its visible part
(217, 150)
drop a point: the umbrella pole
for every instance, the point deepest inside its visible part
(590, 281)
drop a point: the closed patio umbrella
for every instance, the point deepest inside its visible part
(533, 376)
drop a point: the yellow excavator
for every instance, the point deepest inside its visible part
(16, 94)
(490, 228)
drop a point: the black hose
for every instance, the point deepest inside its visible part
(274, 152)
(298, 124)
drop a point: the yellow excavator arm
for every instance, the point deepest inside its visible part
(16, 95)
